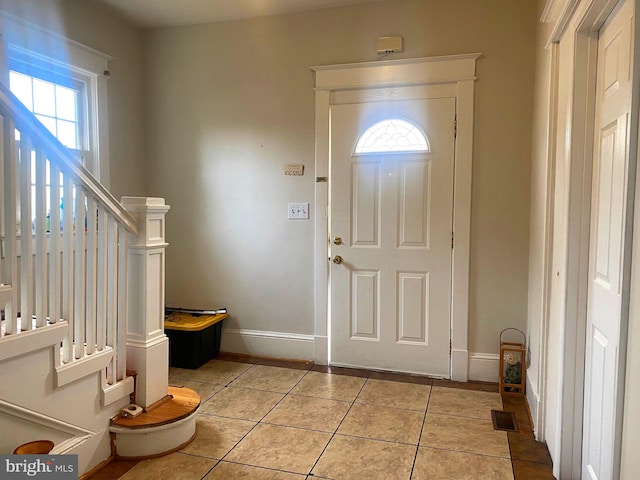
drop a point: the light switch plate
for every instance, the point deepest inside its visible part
(297, 211)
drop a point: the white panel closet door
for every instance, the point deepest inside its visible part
(606, 255)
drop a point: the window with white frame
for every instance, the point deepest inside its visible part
(64, 84)
(58, 96)
(56, 105)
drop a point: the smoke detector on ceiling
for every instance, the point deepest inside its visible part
(391, 44)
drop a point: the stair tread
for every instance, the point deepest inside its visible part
(184, 402)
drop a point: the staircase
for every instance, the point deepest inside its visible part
(81, 296)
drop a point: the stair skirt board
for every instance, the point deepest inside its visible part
(27, 425)
(17, 345)
(138, 443)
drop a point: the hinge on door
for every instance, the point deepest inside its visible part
(450, 347)
(451, 240)
(455, 127)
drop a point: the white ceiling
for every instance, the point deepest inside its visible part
(161, 13)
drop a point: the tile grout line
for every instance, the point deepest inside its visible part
(320, 398)
(475, 454)
(211, 469)
(262, 418)
(352, 403)
(424, 420)
(216, 393)
(366, 375)
(382, 440)
(454, 450)
(231, 418)
(389, 406)
(339, 424)
(271, 469)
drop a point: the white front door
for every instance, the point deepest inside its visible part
(607, 245)
(391, 223)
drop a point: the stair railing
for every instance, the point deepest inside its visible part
(63, 245)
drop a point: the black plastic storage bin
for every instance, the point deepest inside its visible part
(194, 339)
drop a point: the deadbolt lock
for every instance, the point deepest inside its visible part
(337, 241)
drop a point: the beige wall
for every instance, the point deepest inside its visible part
(229, 104)
(82, 22)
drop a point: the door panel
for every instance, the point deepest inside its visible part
(366, 298)
(413, 307)
(414, 204)
(391, 295)
(606, 254)
(366, 212)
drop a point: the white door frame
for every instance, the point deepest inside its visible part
(547, 281)
(456, 75)
(583, 19)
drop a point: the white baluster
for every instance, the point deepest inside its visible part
(41, 237)
(68, 271)
(10, 195)
(79, 276)
(121, 347)
(112, 290)
(26, 250)
(90, 280)
(54, 245)
(102, 279)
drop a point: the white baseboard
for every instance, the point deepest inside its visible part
(321, 350)
(459, 365)
(535, 407)
(268, 344)
(484, 367)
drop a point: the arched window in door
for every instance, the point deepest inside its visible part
(392, 135)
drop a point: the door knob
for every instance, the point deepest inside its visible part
(337, 260)
(337, 241)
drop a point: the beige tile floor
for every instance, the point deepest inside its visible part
(275, 423)
(286, 421)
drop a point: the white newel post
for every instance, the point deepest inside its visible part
(147, 345)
